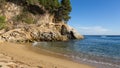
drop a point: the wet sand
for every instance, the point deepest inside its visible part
(19, 56)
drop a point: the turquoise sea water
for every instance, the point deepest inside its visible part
(94, 49)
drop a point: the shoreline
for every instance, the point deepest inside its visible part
(91, 62)
(20, 53)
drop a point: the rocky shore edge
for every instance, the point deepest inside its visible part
(36, 32)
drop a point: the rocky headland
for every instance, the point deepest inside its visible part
(23, 26)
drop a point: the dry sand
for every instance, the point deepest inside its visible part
(19, 56)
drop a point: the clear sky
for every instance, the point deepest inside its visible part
(96, 16)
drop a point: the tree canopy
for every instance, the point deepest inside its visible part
(59, 8)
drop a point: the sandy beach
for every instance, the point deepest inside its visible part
(18, 56)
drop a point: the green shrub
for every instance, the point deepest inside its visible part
(32, 1)
(29, 20)
(24, 17)
(2, 22)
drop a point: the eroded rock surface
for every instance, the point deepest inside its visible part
(40, 33)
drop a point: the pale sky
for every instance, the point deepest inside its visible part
(96, 16)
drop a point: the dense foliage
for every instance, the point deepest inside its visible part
(2, 22)
(59, 8)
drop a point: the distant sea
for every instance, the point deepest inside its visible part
(103, 51)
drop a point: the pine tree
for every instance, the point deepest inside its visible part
(65, 10)
(50, 5)
(43, 2)
(55, 5)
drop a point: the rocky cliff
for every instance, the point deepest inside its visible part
(22, 26)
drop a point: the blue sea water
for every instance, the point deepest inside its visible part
(97, 48)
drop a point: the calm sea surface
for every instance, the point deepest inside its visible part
(94, 49)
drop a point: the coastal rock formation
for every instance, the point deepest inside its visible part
(48, 32)
(25, 26)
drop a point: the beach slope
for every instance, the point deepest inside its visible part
(18, 55)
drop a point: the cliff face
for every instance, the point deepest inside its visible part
(25, 26)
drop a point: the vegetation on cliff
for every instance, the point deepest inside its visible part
(36, 20)
(2, 22)
(59, 8)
